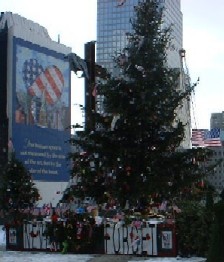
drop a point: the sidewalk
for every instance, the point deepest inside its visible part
(116, 258)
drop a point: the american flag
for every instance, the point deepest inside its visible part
(31, 70)
(50, 83)
(39, 82)
(206, 138)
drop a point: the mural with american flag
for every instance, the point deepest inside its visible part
(42, 91)
(41, 110)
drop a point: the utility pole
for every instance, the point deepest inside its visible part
(90, 86)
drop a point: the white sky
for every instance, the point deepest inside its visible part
(75, 22)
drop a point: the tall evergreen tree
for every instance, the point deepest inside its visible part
(133, 152)
(17, 191)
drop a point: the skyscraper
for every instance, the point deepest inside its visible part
(217, 120)
(113, 24)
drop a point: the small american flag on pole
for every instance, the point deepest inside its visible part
(206, 138)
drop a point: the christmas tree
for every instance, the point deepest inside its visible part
(132, 155)
(17, 191)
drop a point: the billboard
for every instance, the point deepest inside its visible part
(41, 110)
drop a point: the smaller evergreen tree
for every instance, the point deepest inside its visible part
(216, 249)
(193, 225)
(17, 191)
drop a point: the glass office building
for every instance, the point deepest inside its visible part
(217, 120)
(113, 23)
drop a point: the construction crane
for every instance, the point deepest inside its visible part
(188, 106)
(186, 84)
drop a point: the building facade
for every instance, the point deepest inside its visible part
(216, 179)
(217, 120)
(113, 24)
(35, 85)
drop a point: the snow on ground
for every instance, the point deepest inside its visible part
(12, 256)
(192, 259)
(2, 236)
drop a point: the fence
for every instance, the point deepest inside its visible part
(149, 238)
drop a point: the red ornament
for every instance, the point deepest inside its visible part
(128, 168)
(201, 183)
(32, 234)
(79, 231)
(106, 236)
(147, 237)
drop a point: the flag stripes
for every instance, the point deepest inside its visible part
(206, 138)
(50, 83)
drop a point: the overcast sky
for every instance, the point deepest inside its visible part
(75, 22)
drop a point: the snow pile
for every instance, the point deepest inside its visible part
(11, 256)
(173, 259)
(2, 236)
